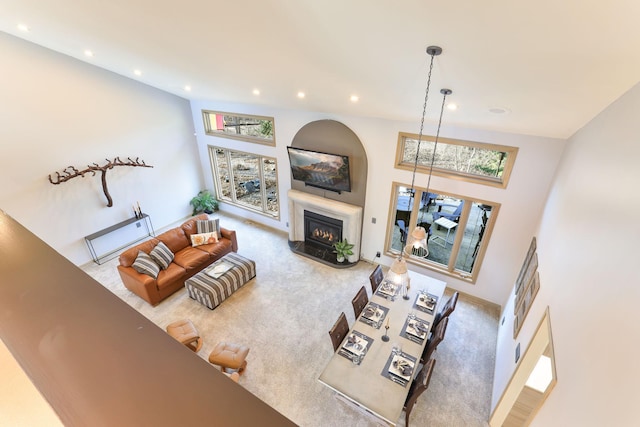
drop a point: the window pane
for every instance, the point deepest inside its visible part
(246, 177)
(224, 183)
(246, 180)
(488, 164)
(239, 126)
(473, 234)
(271, 186)
(444, 216)
(458, 158)
(404, 206)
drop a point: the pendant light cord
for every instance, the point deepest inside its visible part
(424, 113)
(444, 93)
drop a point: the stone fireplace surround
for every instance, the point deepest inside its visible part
(350, 215)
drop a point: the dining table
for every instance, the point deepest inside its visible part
(379, 357)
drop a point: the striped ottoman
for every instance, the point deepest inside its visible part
(213, 285)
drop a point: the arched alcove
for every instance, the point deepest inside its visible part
(328, 136)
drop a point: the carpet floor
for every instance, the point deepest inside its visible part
(284, 316)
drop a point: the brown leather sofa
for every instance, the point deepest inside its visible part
(187, 261)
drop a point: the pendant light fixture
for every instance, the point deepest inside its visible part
(417, 240)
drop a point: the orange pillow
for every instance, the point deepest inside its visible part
(204, 239)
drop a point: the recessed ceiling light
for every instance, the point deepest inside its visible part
(301, 95)
(187, 88)
(499, 110)
(354, 98)
(88, 53)
(23, 27)
(137, 72)
(256, 92)
(452, 106)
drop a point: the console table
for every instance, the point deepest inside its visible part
(99, 259)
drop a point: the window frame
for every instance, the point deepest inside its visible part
(501, 182)
(212, 131)
(263, 189)
(450, 268)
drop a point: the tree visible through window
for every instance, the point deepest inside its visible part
(239, 126)
(487, 164)
(246, 180)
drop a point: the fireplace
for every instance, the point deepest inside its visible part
(321, 230)
(335, 221)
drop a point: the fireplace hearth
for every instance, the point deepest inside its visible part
(316, 223)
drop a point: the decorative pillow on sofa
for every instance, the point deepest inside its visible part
(204, 239)
(144, 264)
(162, 255)
(208, 226)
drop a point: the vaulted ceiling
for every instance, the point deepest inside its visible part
(544, 68)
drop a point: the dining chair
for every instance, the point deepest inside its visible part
(376, 278)
(360, 301)
(418, 386)
(446, 310)
(436, 338)
(339, 330)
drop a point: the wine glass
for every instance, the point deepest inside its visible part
(355, 359)
(396, 349)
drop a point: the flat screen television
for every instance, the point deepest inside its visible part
(322, 170)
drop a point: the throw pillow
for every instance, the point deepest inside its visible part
(203, 239)
(144, 264)
(208, 226)
(162, 255)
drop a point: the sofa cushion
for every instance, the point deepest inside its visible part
(217, 250)
(190, 258)
(128, 257)
(169, 276)
(175, 239)
(162, 255)
(208, 226)
(204, 238)
(144, 264)
(189, 227)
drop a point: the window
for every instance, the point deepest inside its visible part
(246, 180)
(486, 164)
(245, 127)
(458, 229)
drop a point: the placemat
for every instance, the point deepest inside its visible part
(398, 379)
(348, 353)
(387, 290)
(410, 334)
(422, 305)
(371, 322)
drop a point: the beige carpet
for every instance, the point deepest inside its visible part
(284, 315)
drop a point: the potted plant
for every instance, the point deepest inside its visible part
(204, 202)
(342, 249)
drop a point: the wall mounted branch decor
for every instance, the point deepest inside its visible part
(71, 172)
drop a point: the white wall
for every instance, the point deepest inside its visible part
(57, 111)
(588, 255)
(522, 201)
